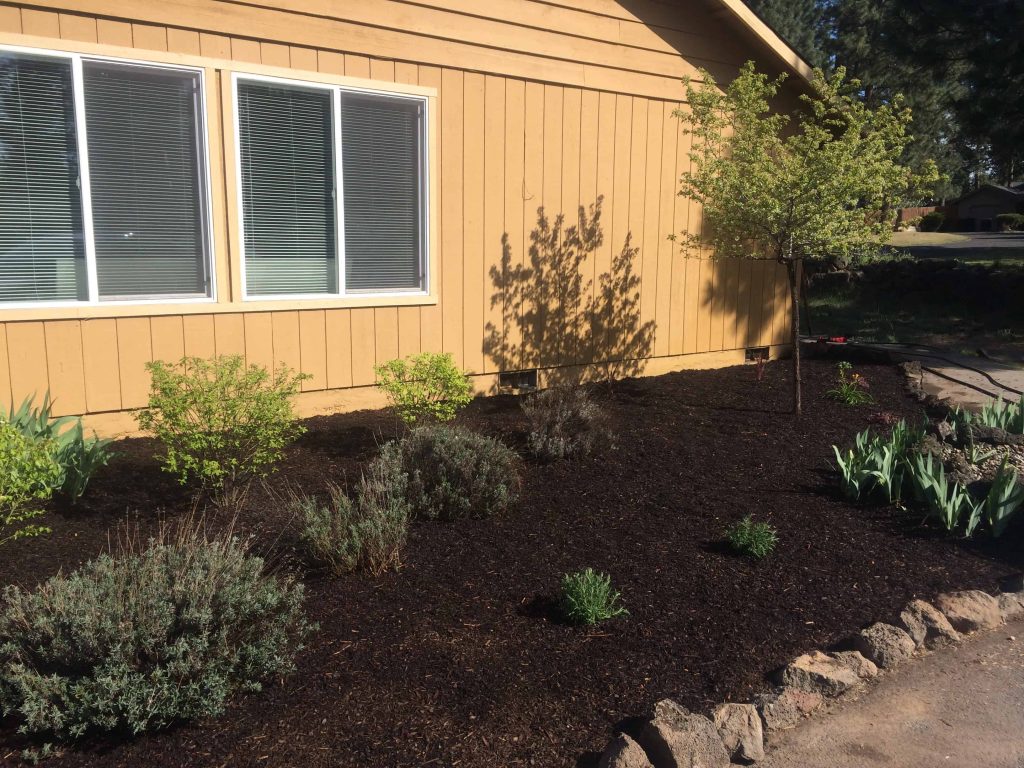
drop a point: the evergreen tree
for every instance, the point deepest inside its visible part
(799, 24)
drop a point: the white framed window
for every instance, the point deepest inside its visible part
(332, 189)
(104, 181)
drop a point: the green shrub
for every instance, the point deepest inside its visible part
(878, 464)
(1010, 222)
(453, 473)
(1004, 499)
(932, 222)
(222, 423)
(750, 538)
(79, 456)
(587, 597)
(137, 642)
(425, 387)
(29, 473)
(850, 388)
(564, 423)
(1002, 414)
(368, 531)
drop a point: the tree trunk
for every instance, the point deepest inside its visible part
(793, 269)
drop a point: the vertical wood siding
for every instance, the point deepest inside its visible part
(549, 123)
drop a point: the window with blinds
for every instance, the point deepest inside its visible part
(131, 222)
(332, 190)
(42, 250)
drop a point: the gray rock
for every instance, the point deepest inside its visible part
(623, 752)
(855, 661)
(786, 707)
(678, 738)
(927, 626)
(739, 727)
(819, 673)
(970, 610)
(884, 645)
(1011, 605)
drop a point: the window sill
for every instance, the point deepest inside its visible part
(90, 311)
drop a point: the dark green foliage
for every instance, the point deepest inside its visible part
(932, 221)
(139, 641)
(1010, 222)
(564, 423)
(799, 23)
(453, 473)
(587, 597)
(751, 538)
(367, 531)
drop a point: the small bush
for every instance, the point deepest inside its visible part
(587, 597)
(850, 388)
(750, 538)
(425, 387)
(79, 456)
(932, 222)
(222, 423)
(564, 423)
(368, 531)
(1010, 222)
(29, 473)
(137, 642)
(453, 473)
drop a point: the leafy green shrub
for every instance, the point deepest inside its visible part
(79, 456)
(29, 472)
(424, 387)
(946, 500)
(1010, 222)
(933, 221)
(1003, 414)
(222, 423)
(587, 597)
(564, 422)
(453, 473)
(137, 642)
(750, 538)
(368, 531)
(850, 388)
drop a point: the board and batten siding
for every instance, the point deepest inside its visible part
(538, 104)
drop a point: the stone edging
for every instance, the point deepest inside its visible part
(674, 737)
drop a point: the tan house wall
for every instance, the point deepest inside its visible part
(539, 104)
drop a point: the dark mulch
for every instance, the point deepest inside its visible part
(459, 660)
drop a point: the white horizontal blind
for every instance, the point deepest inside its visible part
(146, 179)
(287, 169)
(42, 254)
(381, 158)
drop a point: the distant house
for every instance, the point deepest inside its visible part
(977, 210)
(329, 185)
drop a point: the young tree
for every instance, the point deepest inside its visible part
(814, 184)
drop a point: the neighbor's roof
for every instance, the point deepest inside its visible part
(1015, 190)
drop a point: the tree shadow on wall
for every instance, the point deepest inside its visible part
(558, 313)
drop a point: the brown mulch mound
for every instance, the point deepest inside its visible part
(460, 659)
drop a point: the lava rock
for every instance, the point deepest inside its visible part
(970, 610)
(819, 673)
(884, 645)
(678, 738)
(787, 707)
(739, 727)
(855, 661)
(623, 752)
(927, 625)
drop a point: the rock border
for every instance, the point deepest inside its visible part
(674, 737)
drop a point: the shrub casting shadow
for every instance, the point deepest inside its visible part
(554, 316)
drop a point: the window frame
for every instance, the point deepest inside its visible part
(82, 141)
(423, 189)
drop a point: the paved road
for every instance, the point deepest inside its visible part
(960, 707)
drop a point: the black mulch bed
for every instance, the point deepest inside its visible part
(459, 660)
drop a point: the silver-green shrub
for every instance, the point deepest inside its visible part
(453, 472)
(587, 597)
(137, 641)
(564, 423)
(367, 531)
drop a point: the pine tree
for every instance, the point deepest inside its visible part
(798, 22)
